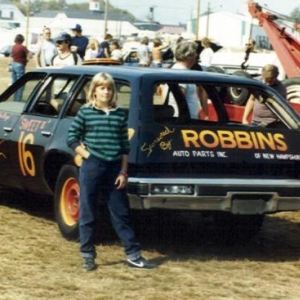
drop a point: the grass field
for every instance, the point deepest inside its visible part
(36, 263)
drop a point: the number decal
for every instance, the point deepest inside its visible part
(25, 156)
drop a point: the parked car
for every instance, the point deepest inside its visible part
(235, 172)
(130, 58)
(6, 50)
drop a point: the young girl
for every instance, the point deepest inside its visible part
(92, 49)
(99, 134)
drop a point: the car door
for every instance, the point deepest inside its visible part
(10, 113)
(34, 131)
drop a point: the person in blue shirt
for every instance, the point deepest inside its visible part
(79, 42)
(104, 49)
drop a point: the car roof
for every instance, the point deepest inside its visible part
(157, 73)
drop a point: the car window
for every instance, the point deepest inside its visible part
(53, 96)
(123, 94)
(80, 97)
(225, 103)
(132, 57)
(16, 100)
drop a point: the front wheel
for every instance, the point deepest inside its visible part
(66, 201)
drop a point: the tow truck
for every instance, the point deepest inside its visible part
(286, 46)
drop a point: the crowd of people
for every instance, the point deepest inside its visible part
(67, 49)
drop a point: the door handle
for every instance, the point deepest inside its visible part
(8, 129)
(46, 133)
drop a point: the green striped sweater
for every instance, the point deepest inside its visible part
(104, 134)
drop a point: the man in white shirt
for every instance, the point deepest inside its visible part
(196, 97)
(65, 57)
(46, 49)
(206, 54)
(143, 53)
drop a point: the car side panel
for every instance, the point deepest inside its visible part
(28, 145)
(7, 124)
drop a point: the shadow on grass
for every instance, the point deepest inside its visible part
(189, 236)
(35, 205)
(184, 236)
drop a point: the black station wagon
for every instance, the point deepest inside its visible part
(236, 172)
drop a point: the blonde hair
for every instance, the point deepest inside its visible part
(145, 40)
(270, 71)
(93, 44)
(102, 79)
(157, 42)
(205, 42)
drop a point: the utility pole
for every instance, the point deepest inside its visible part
(27, 23)
(105, 17)
(207, 19)
(152, 14)
(197, 18)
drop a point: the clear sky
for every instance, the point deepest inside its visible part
(180, 11)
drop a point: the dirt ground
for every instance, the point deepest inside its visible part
(37, 263)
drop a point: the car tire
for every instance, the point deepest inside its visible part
(292, 89)
(235, 228)
(239, 96)
(66, 202)
(215, 69)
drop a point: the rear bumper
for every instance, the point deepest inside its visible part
(238, 196)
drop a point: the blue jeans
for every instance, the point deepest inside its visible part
(94, 174)
(156, 65)
(17, 71)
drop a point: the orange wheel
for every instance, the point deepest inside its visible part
(66, 200)
(69, 202)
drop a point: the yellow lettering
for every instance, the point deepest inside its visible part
(243, 140)
(279, 139)
(26, 159)
(209, 139)
(190, 137)
(227, 139)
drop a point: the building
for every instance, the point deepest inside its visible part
(10, 16)
(231, 30)
(92, 22)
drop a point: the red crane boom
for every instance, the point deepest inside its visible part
(285, 45)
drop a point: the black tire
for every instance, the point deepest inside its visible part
(239, 96)
(215, 69)
(66, 202)
(293, 88)
(235, 228)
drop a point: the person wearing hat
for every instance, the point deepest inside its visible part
(262, 115)
(65, 57)
(79, 42)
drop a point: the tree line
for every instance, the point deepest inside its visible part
(37, 6)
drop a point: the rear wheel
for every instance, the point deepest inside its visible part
(215, 69)
(293, 89)
(66, 200)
